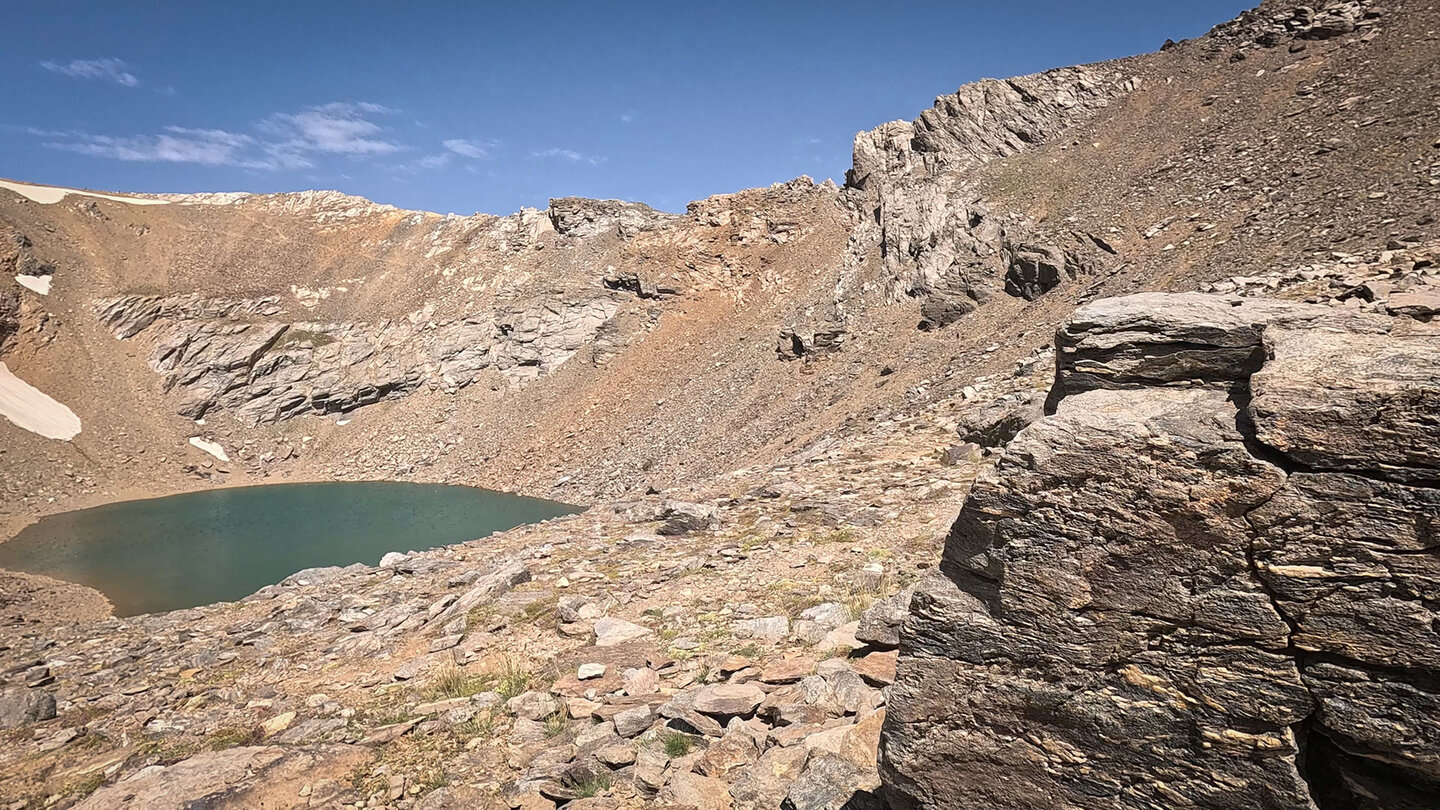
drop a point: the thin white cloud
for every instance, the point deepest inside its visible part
(470, 148)
(571, 155)
(626, 118)
(206, 147)
(564, 154)
(115, 71)
(338, 128)
(425, 163)
(283, 141)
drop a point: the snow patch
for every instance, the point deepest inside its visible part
(213, 448)
(31, 409)
(49, 195)
(38, 284)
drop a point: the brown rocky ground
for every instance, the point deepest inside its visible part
(594, 351)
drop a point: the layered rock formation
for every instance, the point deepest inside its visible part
(238, 356)
(939, 240)
(1207, 579)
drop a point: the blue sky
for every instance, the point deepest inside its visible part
(477, 106)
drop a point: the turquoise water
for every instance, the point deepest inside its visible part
(224, 544)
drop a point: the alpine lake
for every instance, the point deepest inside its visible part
(221, 545)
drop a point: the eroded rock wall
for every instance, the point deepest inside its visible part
(939, 241)
(1207, 579)
(238, 355)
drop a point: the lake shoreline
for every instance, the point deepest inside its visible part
(220, 544)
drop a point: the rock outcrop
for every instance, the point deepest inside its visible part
(238, 355)
(583, 217)
(1207, 579)
(939, 241)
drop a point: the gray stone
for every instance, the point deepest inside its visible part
(610, 631)
(830, 782)
(533, 705)
(1344, 401)
(1152, 339)
(726, 700)
(20, 706)
(634, 721)
(880, 623)
(1159, 610)
(772, 627)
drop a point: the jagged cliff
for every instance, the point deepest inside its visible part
(1199, 579)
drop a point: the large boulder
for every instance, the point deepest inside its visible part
(21, 707)
(1155, 600)
(1153, 339)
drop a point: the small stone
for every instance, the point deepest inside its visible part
(532, 705)
(277, 724)
(616, 756)
(729, 700)
(829, 614)
(20, 706)
(641, 682)
(772, 627)
(700, 792)
(877, 668)
(610, 631)
(634, 721)
(788, 670)
(588, 671)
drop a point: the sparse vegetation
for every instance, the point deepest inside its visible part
(676, 744)
(556, 724)
(235, 736)
(481, 725)
(454, 682)
(302, 337)
(594, 785)
(167, 750)
(514, 679)
(84, 785)
(541, 613)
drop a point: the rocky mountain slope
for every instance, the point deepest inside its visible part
(775, 404)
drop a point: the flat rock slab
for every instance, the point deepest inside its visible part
(729, 700)
(249, 776)
(610, 632)
(1153, 339)
(1336, 400)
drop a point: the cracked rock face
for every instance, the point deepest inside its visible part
(1208, 579)
(938, 240)
(226, 354)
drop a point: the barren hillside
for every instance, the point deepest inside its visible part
(774, 404)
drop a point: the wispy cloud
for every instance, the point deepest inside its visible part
(626, 118)
(470, 148)
(564, 154)
(282, 141)
(430, 162)
(338, 128)
(354, 130)
(571, 155)
(206, 147)
(115, 71)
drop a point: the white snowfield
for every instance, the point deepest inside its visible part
(31, 409)
(38, 284)
(49, 195)
(213, 448)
